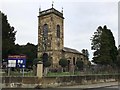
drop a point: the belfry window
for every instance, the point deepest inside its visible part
(45, 30)
(45, 36)
(58, 31)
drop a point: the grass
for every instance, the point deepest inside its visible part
(59, 74)
(76, 74)
(13, 73)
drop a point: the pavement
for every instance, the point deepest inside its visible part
(98, 86)
(91, 86)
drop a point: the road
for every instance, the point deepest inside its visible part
(102, 88)
(99, 86)
(105, 88)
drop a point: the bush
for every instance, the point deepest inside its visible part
(63, 62)
(47, 63)
(80, 64)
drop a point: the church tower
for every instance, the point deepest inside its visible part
(51, 34)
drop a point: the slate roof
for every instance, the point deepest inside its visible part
(66, 49)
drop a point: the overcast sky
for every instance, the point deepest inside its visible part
(82, 18)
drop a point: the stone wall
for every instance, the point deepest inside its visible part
(44, 82)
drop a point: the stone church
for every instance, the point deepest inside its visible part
(51, 39)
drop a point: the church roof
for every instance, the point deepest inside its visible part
(66, 49)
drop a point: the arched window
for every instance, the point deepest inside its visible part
(45, 30)
(45, 36)
(73, 60)
(58, 31)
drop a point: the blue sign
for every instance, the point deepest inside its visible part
(21, 63)
(17, 61)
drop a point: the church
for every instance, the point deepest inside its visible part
(51, 39)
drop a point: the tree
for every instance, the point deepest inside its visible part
(8, 37)
(63, 63)
(103, 44)
(86, 53)
(118, 59)
(30, 50)
(80, 64)
(96, 44)
(46, 63)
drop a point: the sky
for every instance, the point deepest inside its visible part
(82, 18)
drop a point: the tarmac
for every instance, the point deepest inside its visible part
(98, 85)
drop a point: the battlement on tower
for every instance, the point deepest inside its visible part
(50, 11)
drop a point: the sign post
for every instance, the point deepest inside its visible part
(23, 72)
(8, 71)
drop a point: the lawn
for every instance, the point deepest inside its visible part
(15, 73)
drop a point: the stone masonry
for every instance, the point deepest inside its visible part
(51, 38)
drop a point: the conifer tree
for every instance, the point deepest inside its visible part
(103, 44)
